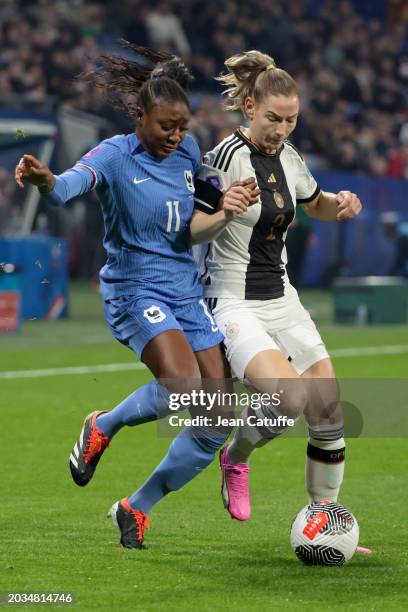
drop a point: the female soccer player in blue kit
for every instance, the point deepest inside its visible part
(153, 300)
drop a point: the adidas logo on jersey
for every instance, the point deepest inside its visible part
(272, 178)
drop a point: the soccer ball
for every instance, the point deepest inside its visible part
(324, 533)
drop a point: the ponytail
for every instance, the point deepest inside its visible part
(254, 74)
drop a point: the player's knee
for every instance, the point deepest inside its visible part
(293, 401)
(324, 413)
(181, 380)
(186, 372)
(175, 369)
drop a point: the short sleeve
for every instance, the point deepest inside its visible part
(190, 147)
(195, 156)
(100, 161)
(307, 188)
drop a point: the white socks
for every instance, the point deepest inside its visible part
(324, 468)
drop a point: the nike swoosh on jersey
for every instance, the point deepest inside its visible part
(137, 181)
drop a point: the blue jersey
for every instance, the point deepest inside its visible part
(147, 203)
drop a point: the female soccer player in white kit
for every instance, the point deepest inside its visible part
(247, 286)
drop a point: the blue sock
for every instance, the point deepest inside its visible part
(148, 403)
(189, 453)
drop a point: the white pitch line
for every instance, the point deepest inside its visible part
(121, 367)
(109, 367)
(363, 351)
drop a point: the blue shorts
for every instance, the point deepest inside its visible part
(135, 321)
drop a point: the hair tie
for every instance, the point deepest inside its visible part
(157, 73)
(270, 67)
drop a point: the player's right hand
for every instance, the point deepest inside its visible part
(252, 188)
(30, 169)
(239, 196)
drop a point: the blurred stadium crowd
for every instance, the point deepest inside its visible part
(350, 60)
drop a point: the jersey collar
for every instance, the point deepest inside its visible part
(136, 145)
(240, 134)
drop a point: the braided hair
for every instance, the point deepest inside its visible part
(130, 84)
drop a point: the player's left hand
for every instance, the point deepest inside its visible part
(349, 205)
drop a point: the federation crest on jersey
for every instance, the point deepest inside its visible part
(231, 329)
(188, 175)
(279, 201)
(154, 314)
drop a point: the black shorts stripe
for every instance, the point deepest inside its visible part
(238, 146)
(224, 153)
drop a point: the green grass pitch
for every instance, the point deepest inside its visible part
(55, 537)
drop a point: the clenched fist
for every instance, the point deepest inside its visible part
(349, 205)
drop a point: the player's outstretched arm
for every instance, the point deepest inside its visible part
(31, 169)
(59, 189)
(334, 207)
(235, 201)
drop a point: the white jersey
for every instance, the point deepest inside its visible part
(248, 260)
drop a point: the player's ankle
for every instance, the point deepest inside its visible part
(236, 456)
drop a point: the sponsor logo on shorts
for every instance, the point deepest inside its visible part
(231, 330)
(154, 314)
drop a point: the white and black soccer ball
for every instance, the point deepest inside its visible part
(324, 533)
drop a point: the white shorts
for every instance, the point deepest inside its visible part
(283, 324)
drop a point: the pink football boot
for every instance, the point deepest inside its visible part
(235, 487)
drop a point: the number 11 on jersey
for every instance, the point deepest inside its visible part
(173, 205)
